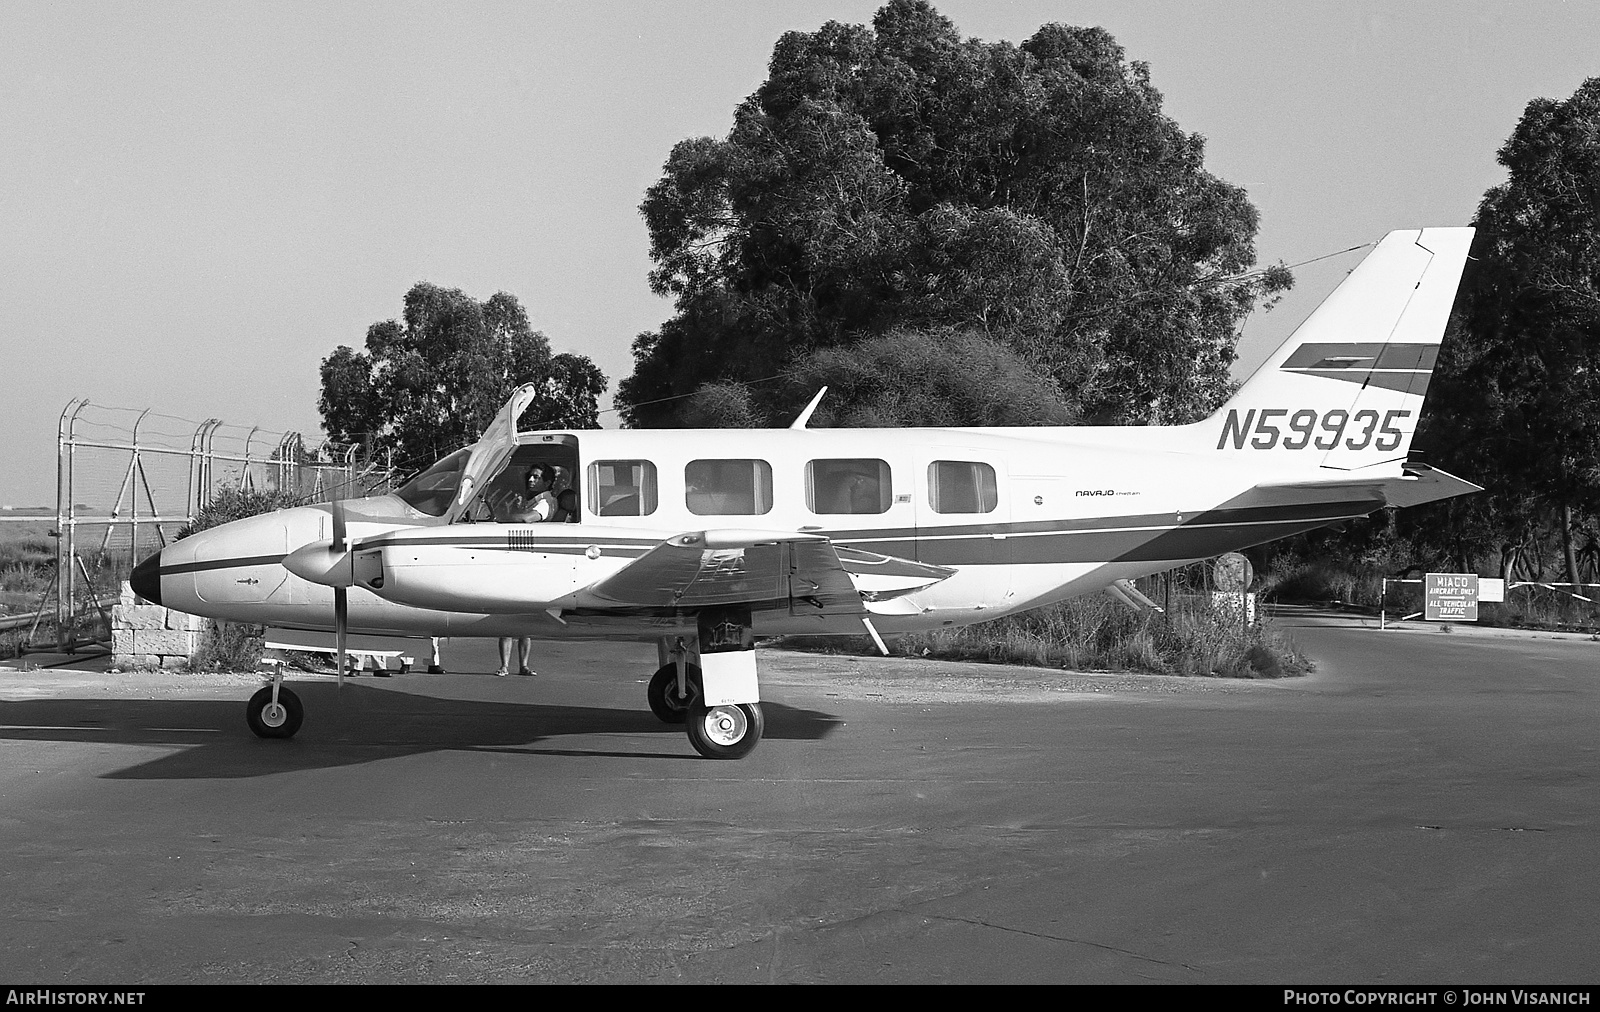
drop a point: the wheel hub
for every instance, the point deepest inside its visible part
(274, 714)
(726, 725)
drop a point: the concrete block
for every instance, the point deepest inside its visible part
(184, 622)
(174, 663)
(125, 594)
(122, 642)
(139, 616)
(164, 641)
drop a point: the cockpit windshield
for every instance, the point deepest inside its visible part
(433, 490)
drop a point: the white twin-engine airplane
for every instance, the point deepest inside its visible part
(703, 540)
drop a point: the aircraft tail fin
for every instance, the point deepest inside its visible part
(1346, 389)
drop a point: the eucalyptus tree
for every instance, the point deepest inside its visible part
(899, 176)
(431, 381)
(1516, 400)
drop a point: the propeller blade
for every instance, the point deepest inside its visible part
(341, 619)
(341, 601)
(338, 526)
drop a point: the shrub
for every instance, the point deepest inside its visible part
(228, 646)
(235, 504)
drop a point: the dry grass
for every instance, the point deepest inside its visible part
(27, 563)
(27, 560)
(1096, 634)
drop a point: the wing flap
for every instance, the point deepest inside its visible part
(881, 577)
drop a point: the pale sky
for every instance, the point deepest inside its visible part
(199, 201)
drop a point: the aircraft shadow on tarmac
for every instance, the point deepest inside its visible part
(355, 725)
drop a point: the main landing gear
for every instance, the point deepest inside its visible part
(725, 732)
(666, 701)
(677, 693)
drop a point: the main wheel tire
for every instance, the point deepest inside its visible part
(280, 720)
(724, 732)
(665, 702)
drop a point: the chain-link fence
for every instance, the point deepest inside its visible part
(128, 479)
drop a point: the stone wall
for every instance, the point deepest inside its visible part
(150, 636)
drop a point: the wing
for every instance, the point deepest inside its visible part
(764, 569)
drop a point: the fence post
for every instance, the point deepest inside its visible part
(62, 469)
(66, 591)
(133, 539)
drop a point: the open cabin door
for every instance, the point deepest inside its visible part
(492, 451)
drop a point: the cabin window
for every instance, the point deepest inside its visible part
(962, 486)
(622, 488)
(728, 487)
(848, 485)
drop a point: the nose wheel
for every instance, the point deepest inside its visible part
(275, 712)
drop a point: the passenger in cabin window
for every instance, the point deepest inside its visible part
(567, 506)
(857, 493)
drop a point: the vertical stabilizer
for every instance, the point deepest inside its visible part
(1346, 389)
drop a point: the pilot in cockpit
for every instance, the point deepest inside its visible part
(536, 504)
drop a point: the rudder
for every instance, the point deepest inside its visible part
(1346, 389)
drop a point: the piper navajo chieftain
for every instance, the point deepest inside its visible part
(703, 540)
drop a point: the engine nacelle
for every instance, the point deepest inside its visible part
(476, 580)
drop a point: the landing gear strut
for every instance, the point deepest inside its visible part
(665, 700)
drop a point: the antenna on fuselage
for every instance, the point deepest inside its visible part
(805, 416)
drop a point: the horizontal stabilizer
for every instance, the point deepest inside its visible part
(1366, 494)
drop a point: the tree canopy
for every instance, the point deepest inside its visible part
(1515, 403)
(898, 177)
(431, 382)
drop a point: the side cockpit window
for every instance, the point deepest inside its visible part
(432, 491)
(848, 485)
(622, 488)
(962, 486)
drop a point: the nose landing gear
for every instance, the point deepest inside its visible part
(274, 712)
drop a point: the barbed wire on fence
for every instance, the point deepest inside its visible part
(127, 479)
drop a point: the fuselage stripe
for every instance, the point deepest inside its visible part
(1034, 542)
